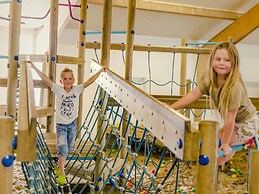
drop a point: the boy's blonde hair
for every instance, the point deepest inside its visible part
(232, 78)
(65, 71)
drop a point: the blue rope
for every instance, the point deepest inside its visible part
(3, 57)
(195, 71)
(172, 74)
(149, 71)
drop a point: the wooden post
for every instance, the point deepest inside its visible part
(6, 149)
(42, 95)
(106, 33)
(81, 54)
(253, 179)
(128, 70)
(206, 181)
(183, 70)
(14, 39)
(105, 61)
(188, 89)
(27, 113)
(191, 144)
(53, 34)
(130, 39)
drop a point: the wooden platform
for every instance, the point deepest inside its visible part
(41, 111)
(80, 174)
(139, 133)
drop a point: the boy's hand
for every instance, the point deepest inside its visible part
(27, 59)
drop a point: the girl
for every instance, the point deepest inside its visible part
(223, 84)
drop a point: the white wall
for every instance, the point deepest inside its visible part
(27, 39)
(249, 66)
(3, 62)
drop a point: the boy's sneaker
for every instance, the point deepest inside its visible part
(57, 172)
(61, 180)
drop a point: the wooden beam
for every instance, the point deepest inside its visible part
(253, 179)
(41, 111)
(36, 83)
(105, 61)
(61, 59)
(202, 103)
(26, 138)
(35, 58)
(206, 177)
(168, 99)
(44, 111)
(6, 150)
(192, 144)
(31, 98)
(172, 8)
(14, 40)
(81, 55)
(237, 30)
(183, 69)
(3, 82)
(53, 39)
(241, 27)
(115, 46)
(3, 109)
(128, 74)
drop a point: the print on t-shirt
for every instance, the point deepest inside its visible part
(67, 105)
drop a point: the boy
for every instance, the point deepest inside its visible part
(67, 101)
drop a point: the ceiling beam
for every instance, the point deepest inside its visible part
(176, 9)
(241, 27)
(237, 30)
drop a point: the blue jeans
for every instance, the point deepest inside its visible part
(66, 134)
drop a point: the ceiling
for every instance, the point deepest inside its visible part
(146, 22)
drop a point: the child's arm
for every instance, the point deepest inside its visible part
(227, 131)
(188, 99)
(93, 77)
(42, 75)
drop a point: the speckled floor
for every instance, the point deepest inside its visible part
(228, 183)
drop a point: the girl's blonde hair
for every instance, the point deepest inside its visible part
(232, 79)
(65, 71)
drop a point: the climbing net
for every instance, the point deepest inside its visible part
(115, 152)
(40, 175)
(137, 171)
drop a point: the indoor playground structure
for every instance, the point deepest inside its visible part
(129, 141)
